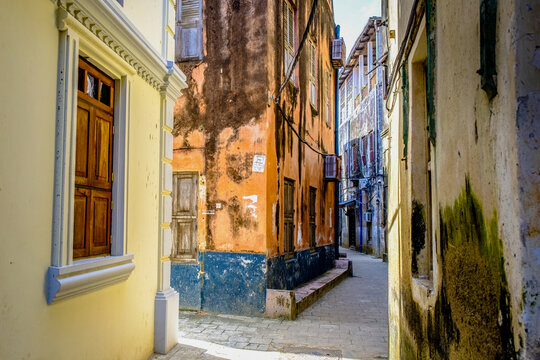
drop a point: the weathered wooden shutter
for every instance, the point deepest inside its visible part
(313, 73)
(288, 221)
(184, 215)
(189, 30)
(328, 81)
(364, 150)
(312, 217)
(371, 148)
(288, 37)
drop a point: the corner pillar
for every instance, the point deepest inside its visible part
(167, 299)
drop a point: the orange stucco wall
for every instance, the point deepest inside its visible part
(227, 117)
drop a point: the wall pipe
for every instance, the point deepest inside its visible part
(336, 150)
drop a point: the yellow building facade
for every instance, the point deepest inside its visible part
(54, 302)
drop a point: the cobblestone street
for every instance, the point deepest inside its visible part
(349, 322)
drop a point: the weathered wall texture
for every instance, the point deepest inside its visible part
(291, 158)
(221, 123)
(227, 116)
(361, 103)
(481, 301)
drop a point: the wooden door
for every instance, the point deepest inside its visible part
(184, 215)
(93, 163)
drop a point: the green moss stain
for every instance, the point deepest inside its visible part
(471, 318)
(474, 282)
(418, 233)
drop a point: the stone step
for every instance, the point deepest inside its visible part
(290, 303)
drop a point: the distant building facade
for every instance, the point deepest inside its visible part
(252, 210)
(88, 92)
(464, 210)
(363, 186)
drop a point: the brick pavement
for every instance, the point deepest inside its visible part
(349, 322)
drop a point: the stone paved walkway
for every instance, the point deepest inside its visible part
(350, 322)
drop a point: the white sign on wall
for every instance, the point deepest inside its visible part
(258, 163)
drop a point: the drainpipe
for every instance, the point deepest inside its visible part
(337, 225)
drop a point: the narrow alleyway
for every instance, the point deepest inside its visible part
(350, 322)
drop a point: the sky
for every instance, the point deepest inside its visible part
(352, 15)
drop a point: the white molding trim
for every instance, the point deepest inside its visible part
(87, 275)
(109, 24)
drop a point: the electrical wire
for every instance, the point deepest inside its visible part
(297, 55)
(288, 121)
(289, 74)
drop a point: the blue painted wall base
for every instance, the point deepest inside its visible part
(232, 283)
(236, 283)
(304, 266)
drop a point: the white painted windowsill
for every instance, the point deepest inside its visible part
(87, 275)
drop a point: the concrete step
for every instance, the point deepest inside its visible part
(290, 303)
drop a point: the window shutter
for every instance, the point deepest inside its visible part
(190, 10)
(291, 28)
(288, 37)
(371, 147)
(364, 150)
(312, 60)
(189, 30)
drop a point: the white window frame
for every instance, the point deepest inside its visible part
(66, 277)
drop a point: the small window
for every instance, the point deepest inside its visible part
(288, 216)
(189, 46)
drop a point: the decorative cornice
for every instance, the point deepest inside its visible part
(109, 24)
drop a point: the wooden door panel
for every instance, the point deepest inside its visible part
(80, 222)
(100, 221)
(83, 143)
(185, 190)
(185, 194)
(93, 164)
(184, 237)
(184, 225)
(103, 150)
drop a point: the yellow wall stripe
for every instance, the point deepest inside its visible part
(166, 192)
(166, 160)
(167, 129)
